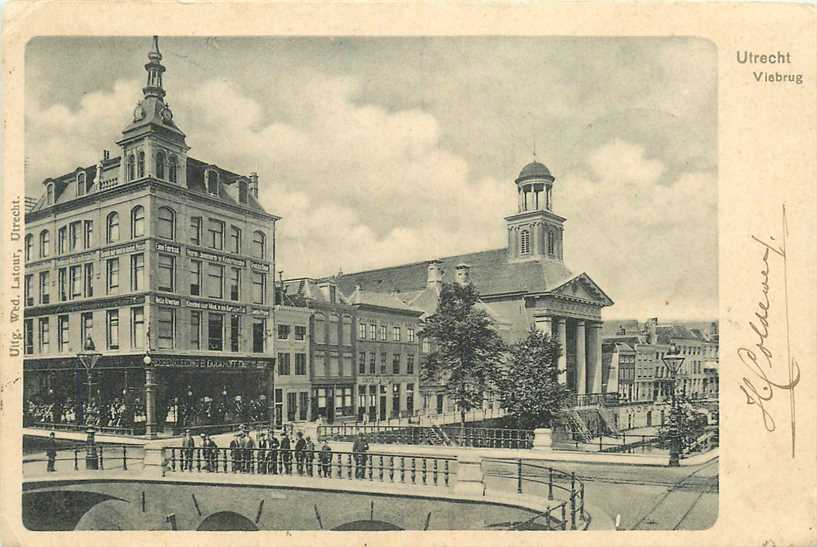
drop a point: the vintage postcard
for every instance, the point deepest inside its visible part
(444, 274)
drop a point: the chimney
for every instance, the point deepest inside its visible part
(254, 184)
(652, 337)
(621, 331)
(463, 274)
(435, 275)
(106, 155)
(329, 291)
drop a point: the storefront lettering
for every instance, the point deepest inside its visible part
(188, 362)
(214, 306)
(260, 266)
(216, 257)
(167, 301)
(164, 247)
(124, 249)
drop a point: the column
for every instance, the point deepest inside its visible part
(562, 334)
(594, 368)
(544, 324)
(581, 365)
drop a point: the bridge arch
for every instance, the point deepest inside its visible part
(227, 520)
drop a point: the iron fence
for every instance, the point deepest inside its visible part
(430, 435)
(81, 428)
(562, 488)
(388, 468)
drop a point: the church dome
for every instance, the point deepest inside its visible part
(534, 170)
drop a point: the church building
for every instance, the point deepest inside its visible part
(524, 285)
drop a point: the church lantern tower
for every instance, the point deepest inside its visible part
(535, 232)
(152, 145)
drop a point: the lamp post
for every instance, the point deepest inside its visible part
(89, 357)
(150, 385)
(673, 361)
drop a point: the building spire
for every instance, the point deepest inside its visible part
(154, 69)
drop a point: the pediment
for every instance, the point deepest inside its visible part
(582, 287)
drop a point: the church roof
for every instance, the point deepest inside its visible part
(361, 297)
(491, 273)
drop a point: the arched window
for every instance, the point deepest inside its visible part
(137, 221)
(161, 158)
(259, 245)
(212, 182)
(112, 228)
(167, 223)
(524, 242)
(29, 246)
(551, 243)
(81, 184)
(141, 165)
(131, 170)
(173, 165)
(45, 244)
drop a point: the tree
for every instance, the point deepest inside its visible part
(468, 353)
(691, 424)
(531, 391)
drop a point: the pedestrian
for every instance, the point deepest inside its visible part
(286, 454)
(249, 453)
(235, 452)
(51, 452)
(300, 446)
(309, 455)
(201, 453)
(273, 453)
(326, 459)
(359, 449)
(262, 452)
(212, 451)
(188, 446)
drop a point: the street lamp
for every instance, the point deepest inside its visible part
(150, 413)
(89, 357)
(673, 361)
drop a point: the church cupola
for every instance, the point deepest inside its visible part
(534, 185)
(535, 232)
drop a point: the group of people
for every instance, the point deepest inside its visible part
(113, 413)
(189, 411)
(267, 454)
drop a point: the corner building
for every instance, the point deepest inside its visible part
(151, 252)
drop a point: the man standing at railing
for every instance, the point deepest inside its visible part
(300, 446)
(189, 445)
(359, 448)
(235, 452)
(262, 452)
(286, 454)
(326, 459)
(310, 455)
(51, 452)
(210, 453)
(273, 453)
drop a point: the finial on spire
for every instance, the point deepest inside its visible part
(534, 148)
(155, 51)
(154, 69)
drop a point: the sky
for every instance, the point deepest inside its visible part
(381, 151)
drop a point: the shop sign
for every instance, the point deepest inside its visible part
(260, 266)
(209, 362)
(122, 249)
(212, 257)
(73, 259)
(84, 305)
(167, 301)
(256, 311)
(215, 306)
(168, 248)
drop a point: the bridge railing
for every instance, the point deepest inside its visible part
(563, 488)
(368, 466)
(482, 437)
(112, 430)
(114, 456)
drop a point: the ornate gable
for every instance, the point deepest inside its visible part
(582, 287)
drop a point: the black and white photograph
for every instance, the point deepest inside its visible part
(370, 283)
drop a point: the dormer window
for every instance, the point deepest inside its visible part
(131, 168)
(49, 194)
(172, 169)
(81, 189)
(161, 158)
(524, 242)
(140, 165)
(212, 182)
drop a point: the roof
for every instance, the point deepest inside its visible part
(361, 297)
(666, 334)
(534, 170)
(491, 273)
(65, 185)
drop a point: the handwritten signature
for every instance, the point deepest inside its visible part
(758, 358)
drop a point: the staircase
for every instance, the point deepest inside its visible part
(577, 424)
(609, 420)
(439, 437)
